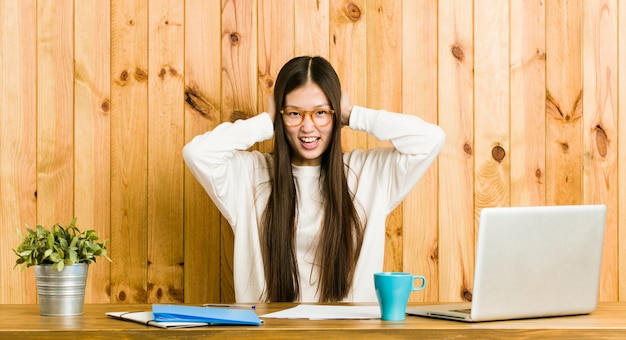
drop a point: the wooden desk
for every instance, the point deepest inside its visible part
(24, 322)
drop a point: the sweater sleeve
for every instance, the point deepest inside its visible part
(396, 170)
(219, 162)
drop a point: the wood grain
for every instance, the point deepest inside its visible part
(456, 162)
(165, 142)
(564, 108)
(239, 98)
(92, 133)
(201, 219)
(18, 130)
(492, 162)
(129, 149)
(348, 55)
(55, 112)
(23, 321)
(621, 144)
(311, 29)
(419, 97)
(527, 108)
(239, 50)
(384, 90)
(600, 127)
(275, 47)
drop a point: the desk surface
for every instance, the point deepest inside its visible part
(24, 321)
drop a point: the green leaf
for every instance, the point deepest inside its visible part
(73, 256)
(50, 241)
(25, 253)
(74, 242)
(47, 253)
(55, 257)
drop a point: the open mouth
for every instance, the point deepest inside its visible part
(309, 142)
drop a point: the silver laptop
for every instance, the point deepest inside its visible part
(532, 262)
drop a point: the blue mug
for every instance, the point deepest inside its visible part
(393, 290)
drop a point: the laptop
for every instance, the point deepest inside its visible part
(532, 262)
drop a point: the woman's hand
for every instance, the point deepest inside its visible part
(346, 108)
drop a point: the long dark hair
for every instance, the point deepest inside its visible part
(341, 233)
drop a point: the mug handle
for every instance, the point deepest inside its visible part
(423, 282)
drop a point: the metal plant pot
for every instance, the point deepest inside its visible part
(61, 293)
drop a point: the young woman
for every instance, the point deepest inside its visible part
(309, 220)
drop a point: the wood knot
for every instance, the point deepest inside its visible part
(165, 70)
(538, 173)
(270, 83)
(197, 102)
(234, 38)
(124, 76)
(498, 153)
(467, 149)
(141, 75)
(121, 296)
(602, 141)
(434, 254)
(353, 11)
(236, 115)
(541, 55)
(458, 53)
(159, 293)
(106, 105)
(466, 295)
(564, 147)
(176, 294)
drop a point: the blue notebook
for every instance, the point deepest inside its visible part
(211, 315)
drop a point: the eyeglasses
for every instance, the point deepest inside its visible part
(294, 117)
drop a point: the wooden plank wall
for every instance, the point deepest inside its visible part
(98, 97)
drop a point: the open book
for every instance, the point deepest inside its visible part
(178, 316)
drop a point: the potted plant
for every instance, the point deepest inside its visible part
(61, 256)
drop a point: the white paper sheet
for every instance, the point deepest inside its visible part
(317, 312)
